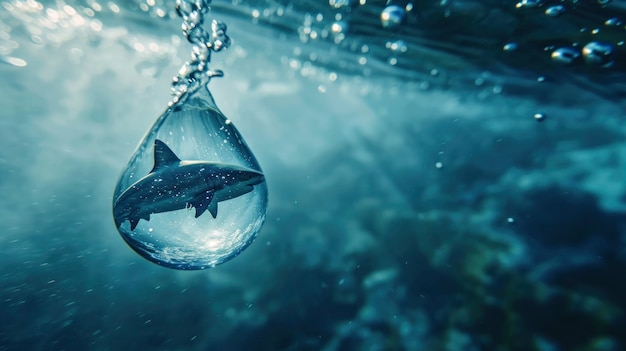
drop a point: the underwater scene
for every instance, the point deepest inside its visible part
(433, 175)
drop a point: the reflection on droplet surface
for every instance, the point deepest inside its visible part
(392, 16)
(539, 117)
(600, 54)
(187, 199)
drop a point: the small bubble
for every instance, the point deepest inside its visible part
(113, 6)
(510, 220)
(438, 165)
(565, 55)
(529, 3)
(555, 10)
(510, 47)
(613, 22)
(339, 27)
(397, 46)
(539, 117)
(392, 16)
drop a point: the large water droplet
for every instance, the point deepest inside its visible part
(193, 195)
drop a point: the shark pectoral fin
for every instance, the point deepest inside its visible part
(213, 208)
(202, 202)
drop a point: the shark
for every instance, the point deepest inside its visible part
(175, 184)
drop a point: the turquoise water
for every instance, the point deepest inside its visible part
(415, 201)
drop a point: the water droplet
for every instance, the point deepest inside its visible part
(510, 220)
(192, 195)
(565, 55)
(392, 16)
(198, 212)
(539, 117)
(555, 10)
(599, 54)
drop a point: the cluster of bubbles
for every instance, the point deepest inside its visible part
(196, 71)
(594, 52)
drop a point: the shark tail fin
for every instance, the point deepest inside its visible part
(213, 208)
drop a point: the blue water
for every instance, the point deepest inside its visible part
(415, 202)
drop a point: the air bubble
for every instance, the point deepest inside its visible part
(529, 3)
(565, 55)
(613, 22)
(392, 16)
(555, 10)
(599, 54)
(397, 46)
(510, 47)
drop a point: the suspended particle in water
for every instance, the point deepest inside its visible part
(604, 2)
(566, 55)
(555, 10)
(540, 117)
(392, 16)
(599, 54)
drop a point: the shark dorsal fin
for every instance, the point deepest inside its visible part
(163, 156)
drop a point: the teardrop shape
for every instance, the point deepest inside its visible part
(193, 195)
